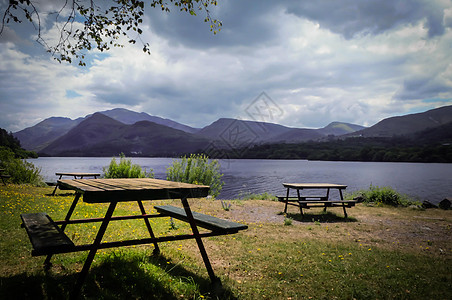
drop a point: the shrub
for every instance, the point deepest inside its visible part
(20, 170)
(197, 169)
(385, 195)
(125, 169)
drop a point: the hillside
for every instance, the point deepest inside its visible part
(100, 135)
(37, 137)
(130, 117)
(339, 128)
(240, 133)
(408, 124)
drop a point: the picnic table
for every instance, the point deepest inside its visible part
(307, 200)
(4, 176)
(80, 175)
(48, 237)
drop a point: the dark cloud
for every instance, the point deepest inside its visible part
(351, 18)
(245, 23)
(422, 88)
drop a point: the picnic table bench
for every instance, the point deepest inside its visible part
(80, 175)
(48, 238)
(4, 176)
(308, 201)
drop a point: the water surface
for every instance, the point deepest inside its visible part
(431, 182)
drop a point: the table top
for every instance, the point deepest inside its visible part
(314, 186)
(133, 189)
(77, 174)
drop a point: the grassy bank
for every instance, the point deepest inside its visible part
(378, 253)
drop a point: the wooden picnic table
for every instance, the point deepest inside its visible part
(307, 200)
(48, 237)
(76, 175)
(4, 176)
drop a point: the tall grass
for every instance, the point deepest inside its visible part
(197, 169)
(384, 195)
(125, 169)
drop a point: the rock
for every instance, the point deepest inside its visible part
(428, 204)
(445, 204)
(416, 207)
(359, 199)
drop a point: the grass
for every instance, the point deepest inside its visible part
(320, 258)
(263, 196)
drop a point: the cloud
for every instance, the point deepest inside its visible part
(356, 18)
(320, 62)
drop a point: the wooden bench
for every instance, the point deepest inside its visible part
(45, 236)
(205, 221)
(308, 202)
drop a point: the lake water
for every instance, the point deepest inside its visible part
(431, 182)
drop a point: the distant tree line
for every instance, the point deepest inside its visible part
(8, 141)
(352, 149)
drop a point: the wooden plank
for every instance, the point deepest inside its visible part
(45, 236)
(202, 220)
(76, 174)
(327, 201)
(133, 189)
(314, 186)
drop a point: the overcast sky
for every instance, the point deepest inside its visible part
(296, 63)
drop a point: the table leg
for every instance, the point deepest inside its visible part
(299, 199)
(47, 263)
(148, 225)
(287, 201)
(327, 197)
(343, 204)
(194, 228)
(100, 234)
(56, 186)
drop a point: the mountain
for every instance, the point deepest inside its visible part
(119, 130)
(408, 124)
(39, 136)
(130, 117)
(235, 132)
(339, 128)
(441, 134)
(100, 135)
(42, 134)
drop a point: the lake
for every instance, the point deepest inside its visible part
(431, 182)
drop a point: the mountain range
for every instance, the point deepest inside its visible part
(111, 132)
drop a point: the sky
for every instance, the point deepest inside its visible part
(295, 63)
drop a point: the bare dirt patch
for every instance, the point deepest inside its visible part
(428, 231)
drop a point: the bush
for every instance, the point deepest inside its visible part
(125, 169)
(20, 170)
(385, 195)
(198, 170)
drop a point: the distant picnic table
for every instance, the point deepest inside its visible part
(76, 175)
(307, 201)
(4, 176)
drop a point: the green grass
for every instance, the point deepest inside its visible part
(263, 196)
(267, 261)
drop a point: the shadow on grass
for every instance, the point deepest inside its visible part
(324, 217)
(61, 194)
(116, 277)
